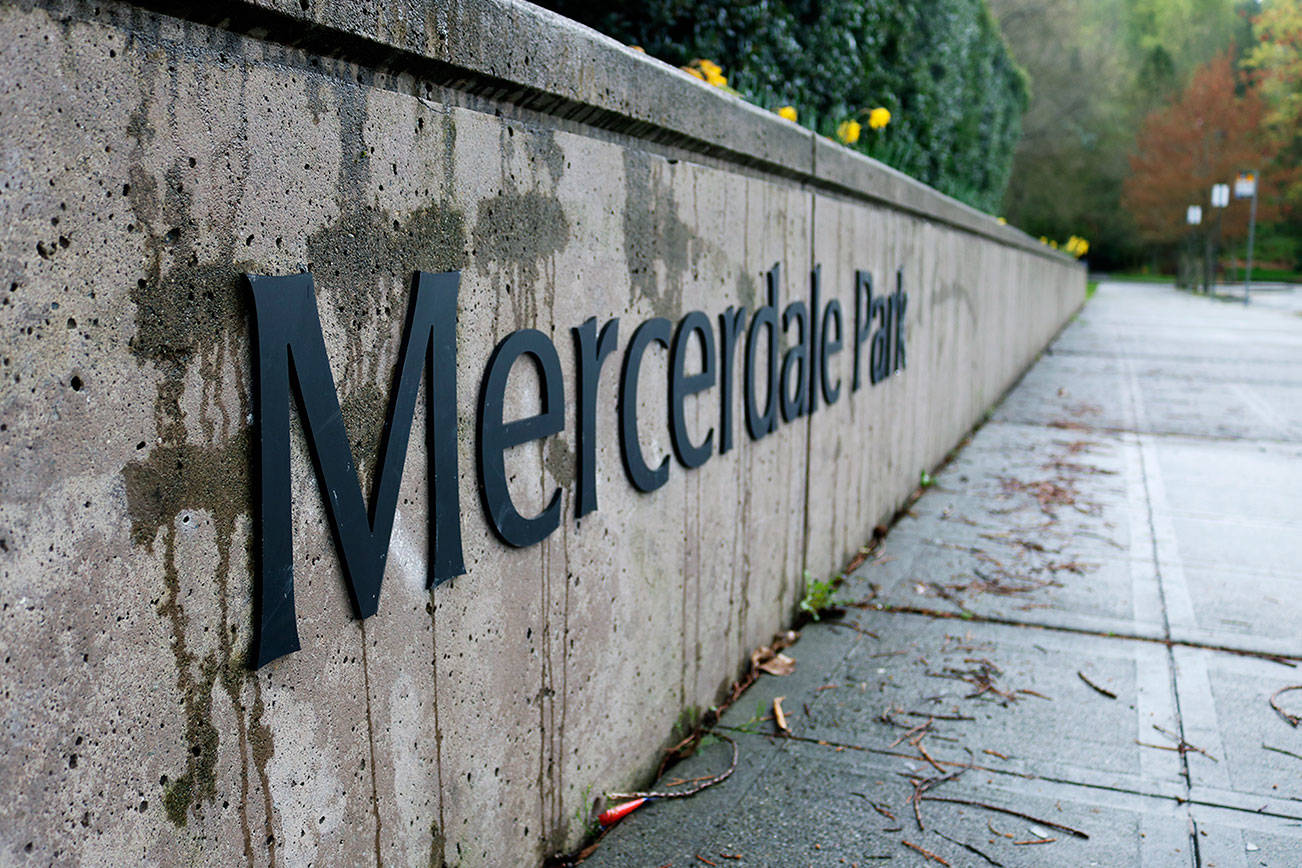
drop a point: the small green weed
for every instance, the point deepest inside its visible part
(925, 479)
(585, 815)
(818, 595)
(752, 725)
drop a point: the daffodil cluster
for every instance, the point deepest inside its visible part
(707, 71)
(1075, 245)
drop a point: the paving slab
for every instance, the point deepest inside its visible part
(1083, 621)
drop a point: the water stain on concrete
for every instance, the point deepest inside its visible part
(559, 461)
(654, 235)
(515, 235)
(363, 265)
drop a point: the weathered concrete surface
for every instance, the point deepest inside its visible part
(1100, 525)
(149, 160)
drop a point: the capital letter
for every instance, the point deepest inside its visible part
(288, 344)
(863, 300)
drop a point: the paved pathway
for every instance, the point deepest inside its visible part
(1130, 517)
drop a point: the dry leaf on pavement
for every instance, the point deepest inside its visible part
(780, 664)
(778, 716)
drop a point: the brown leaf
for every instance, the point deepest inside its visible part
(778, 716)
(780, 664)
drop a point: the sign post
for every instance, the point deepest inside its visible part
(1245, 187)
(1193, 216)
(1220, 199)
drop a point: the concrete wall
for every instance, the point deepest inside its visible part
(150, 156)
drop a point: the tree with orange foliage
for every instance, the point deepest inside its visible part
(1208, 134)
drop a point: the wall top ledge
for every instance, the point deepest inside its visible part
(516, 52)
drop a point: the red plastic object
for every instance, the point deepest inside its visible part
(611, 816)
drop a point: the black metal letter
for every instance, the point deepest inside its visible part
(680, 386)
(759, 424)
(815, 288)
(656, 330)
(863, 300)
(731, 324)
(288, 345)
(828, 348)
(589, 352)
(880, 311)
(901, 303)
(796, 357)
(496, 436)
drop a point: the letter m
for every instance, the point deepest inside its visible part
(289, 348)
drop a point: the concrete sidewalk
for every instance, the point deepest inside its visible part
(1083, 619)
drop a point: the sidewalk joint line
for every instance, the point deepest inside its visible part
(973, 617)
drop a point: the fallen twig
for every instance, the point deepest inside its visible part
(938, 716)
(921, 785)
(1036, 841)
(922, 750)
(919, 728)
(995, 831)
(1181, 745)
(1291, 719)
(970, 849)
(854, 627)
(1108, 693)
(1281, 750)
(925, 852)
(1059, 826)
(691, 791)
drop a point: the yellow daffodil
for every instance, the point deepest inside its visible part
(1001, 221)
(1044, 240)
(1082, 247)
(879, 118)
(788, 112)
(638, 48)
(707, 71)
(848, 132)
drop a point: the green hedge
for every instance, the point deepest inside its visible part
(940, 66)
